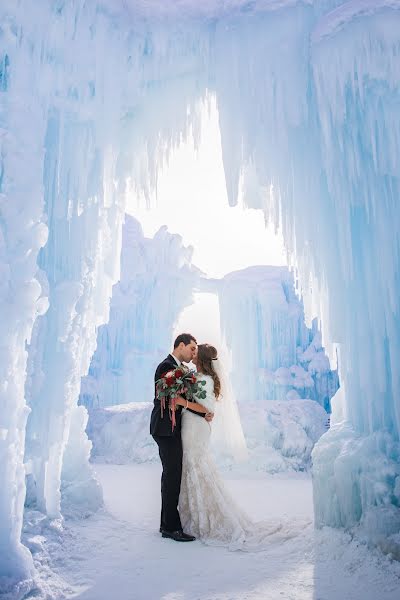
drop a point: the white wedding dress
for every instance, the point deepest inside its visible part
(206, 507)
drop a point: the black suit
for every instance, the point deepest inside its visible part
(170, 450)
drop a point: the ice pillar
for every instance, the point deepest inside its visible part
(22, 234)
(309, 99)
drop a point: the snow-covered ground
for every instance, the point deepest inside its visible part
(118, 554)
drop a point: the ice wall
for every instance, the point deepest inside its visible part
(92, 96)
(81, 128)
(309, 99)
(275, 356)
(84, 207)
(360, 143)
(280, 436)
(22, 233)
(156, 284)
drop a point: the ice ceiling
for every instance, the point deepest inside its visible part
(92, 97)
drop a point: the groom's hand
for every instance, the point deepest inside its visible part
(209, 416)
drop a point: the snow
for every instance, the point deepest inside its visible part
(122, 550)
(120, 434)
(280, 435)
(362, 465)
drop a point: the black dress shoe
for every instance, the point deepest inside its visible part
(189, 538)
(178, 536)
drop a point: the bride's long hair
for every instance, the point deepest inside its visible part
(206, 354)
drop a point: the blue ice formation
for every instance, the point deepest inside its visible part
(280, 436)
(274, 355)
(318, 121)
(92, 97)
(156, 284)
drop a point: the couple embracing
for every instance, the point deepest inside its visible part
(194, 499)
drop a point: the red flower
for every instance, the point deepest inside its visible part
(178, 373)
(169, 378)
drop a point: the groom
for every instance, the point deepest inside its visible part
(170, 443)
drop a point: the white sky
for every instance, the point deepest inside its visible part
(201, 319)
(192, 201)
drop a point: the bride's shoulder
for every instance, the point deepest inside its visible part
(203, 377)
(209, 382)
(206, 384)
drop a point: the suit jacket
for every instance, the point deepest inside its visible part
(161, 425)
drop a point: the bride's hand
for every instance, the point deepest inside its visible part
(180, 401)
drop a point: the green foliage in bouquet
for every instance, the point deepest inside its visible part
(179, 382)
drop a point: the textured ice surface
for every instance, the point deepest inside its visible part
(157, 281)
(93, 94)
(80, 128)
(274, 354)
(280, 435)
(319, 123)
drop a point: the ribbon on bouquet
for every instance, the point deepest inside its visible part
(171, 408)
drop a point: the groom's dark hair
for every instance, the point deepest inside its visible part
(186, 338)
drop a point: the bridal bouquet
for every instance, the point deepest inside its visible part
(175, 383)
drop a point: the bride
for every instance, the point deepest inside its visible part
(207, 509)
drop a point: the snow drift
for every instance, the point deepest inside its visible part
(280, 435)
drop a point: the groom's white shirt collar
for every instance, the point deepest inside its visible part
(178, 362)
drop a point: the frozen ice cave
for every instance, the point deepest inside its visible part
(93, 95)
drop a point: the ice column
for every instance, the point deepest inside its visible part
(310, 101)
(358, 466)
(80, 90)
(104, 138)
(22, 233)
(84, 210)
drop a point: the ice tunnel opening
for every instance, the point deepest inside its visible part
(190, 199)
(190, 262)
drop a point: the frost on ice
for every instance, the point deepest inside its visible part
(276, 356)
(153, 290)
(280, 435)
(74, 142)
(92, 96)
(319, 122)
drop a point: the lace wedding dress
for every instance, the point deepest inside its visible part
(207, 509)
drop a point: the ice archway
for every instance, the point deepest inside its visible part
(92, 96)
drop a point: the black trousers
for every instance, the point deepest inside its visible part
(170, 451)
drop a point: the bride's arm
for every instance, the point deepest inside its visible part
(192, 405)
